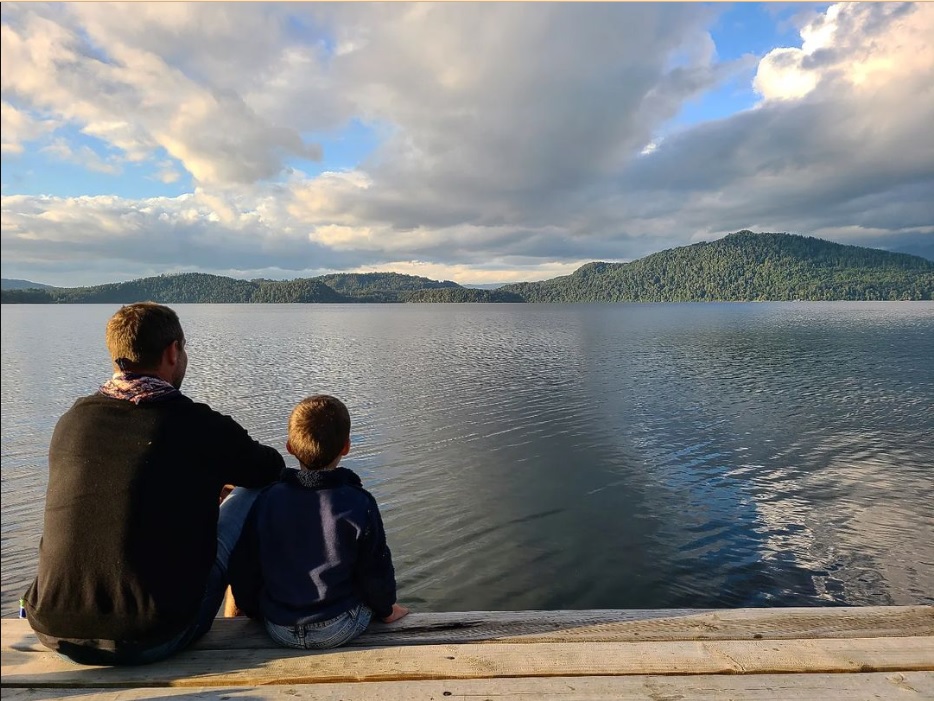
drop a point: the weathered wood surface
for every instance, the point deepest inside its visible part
(888, 652)
(584, 626)
(906, 686)
(475, 661)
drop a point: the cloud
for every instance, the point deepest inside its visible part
(861, 45)
(83, 156)
(18, 126)
(119, 73)
(503, 116)
(166, 172)
(852, 152)
(513, 140)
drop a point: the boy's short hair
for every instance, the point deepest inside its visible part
(319, 428)
(138, 334)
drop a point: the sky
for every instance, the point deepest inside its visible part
(470, 141)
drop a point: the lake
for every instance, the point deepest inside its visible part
(563, 456)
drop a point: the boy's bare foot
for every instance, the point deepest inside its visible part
(398, 611)
(231, 610)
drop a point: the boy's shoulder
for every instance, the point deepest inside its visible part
(344, 494)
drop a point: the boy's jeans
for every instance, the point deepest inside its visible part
(233, 512)
(324, 634)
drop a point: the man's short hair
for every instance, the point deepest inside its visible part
(138, 334)
(319, 428)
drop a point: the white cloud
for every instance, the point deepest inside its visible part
(167, 173)
(864, 45)
(650, 147)
(854, 153)
(83, 156)
(110, 70)
(18, 126)
(781, 76)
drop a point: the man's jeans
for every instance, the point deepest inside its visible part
(233, 512)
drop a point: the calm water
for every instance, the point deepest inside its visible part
(564, 457)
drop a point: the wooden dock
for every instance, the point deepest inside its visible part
(663, 655)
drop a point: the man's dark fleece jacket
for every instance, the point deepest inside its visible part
(130, 530)
(313, 548)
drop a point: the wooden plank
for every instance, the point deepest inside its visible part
(909, 686)
(651, 625)
(475, 661)
(584, 626)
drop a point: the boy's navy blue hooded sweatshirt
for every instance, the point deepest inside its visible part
(313, 548)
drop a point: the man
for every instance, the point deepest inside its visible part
(133, 556)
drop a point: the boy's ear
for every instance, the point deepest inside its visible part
(288, 448)
(346, 447)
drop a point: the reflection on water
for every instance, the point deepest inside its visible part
(562, 457)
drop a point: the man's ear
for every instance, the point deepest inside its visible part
(346, 447)
(170, 354)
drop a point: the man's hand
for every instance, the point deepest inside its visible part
(398, 611)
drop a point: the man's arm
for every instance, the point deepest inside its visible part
(245, 573)
(246, 462)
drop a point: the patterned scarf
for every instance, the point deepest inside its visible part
(137, 388)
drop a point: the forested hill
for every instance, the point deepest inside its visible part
(740, 267)
(203, 288)
(382, 287)
(745, 266)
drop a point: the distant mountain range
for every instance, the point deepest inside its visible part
(744, 266)
(201, 288)
(13, 284)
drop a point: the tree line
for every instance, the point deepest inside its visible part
(744, 266)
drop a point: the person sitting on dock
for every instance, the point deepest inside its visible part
(313, 563)
(135, 547)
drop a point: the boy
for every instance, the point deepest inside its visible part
(312, 562)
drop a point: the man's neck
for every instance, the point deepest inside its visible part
(146, 373)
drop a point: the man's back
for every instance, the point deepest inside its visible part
(131, 515)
